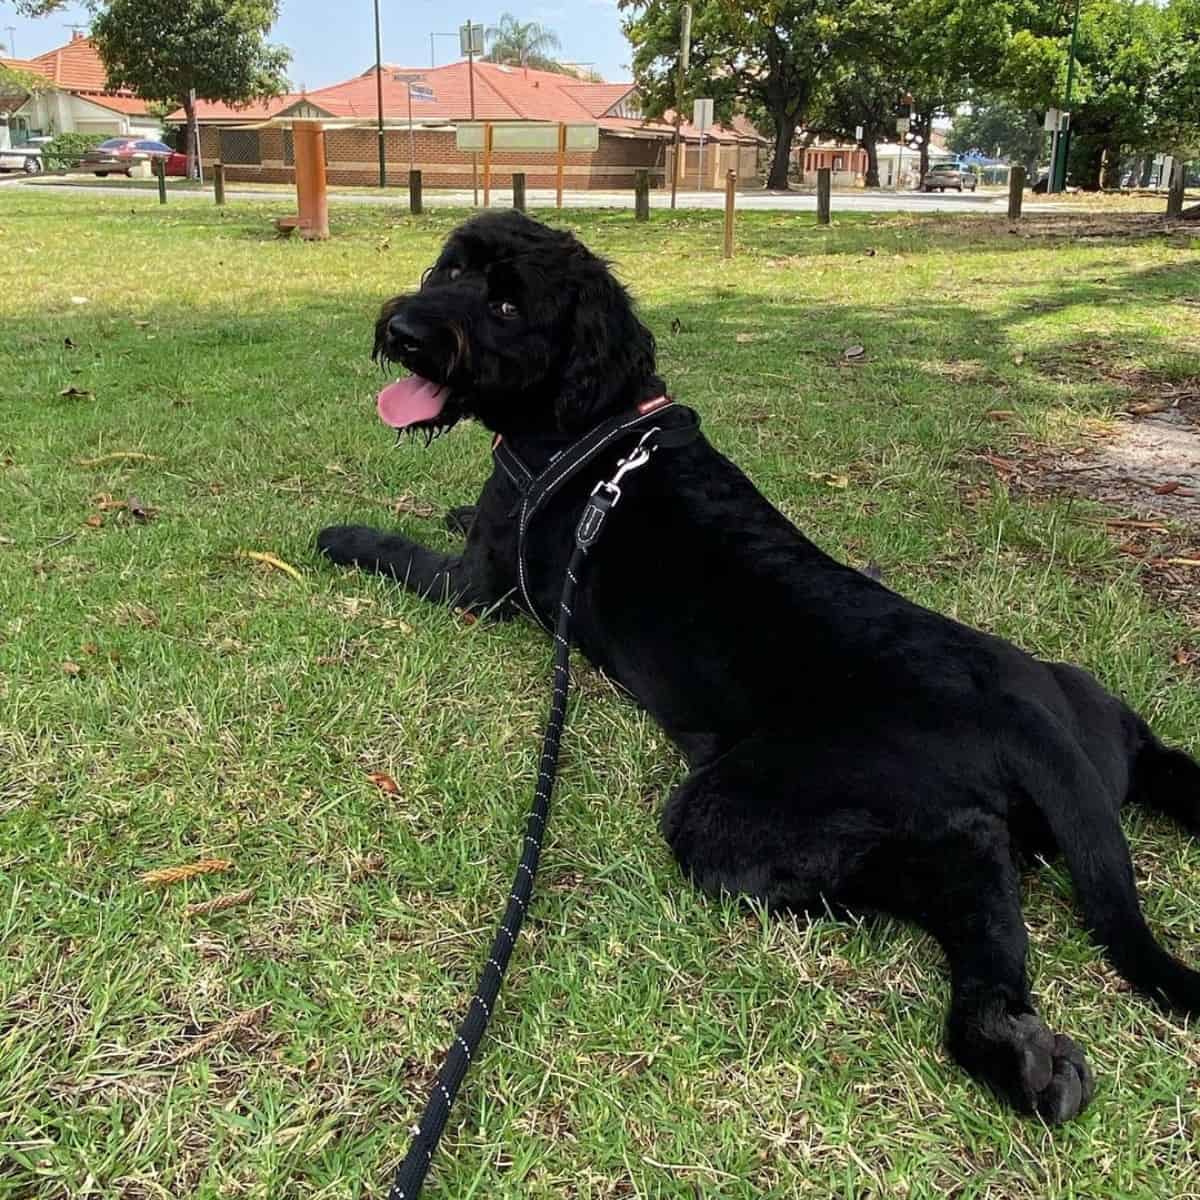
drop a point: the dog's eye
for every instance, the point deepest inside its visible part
(454, 272)
(505, 308)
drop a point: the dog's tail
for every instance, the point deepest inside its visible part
(1088, 833)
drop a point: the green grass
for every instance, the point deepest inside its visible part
(650, 1043)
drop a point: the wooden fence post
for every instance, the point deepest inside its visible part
(824, 182)
(414, 193)
(730, 194)
(160, 171)
(219, 182)
(1175, 192)
(1016, 192)
(641, 194)
(519, 190)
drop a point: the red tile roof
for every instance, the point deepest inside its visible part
(133, 106)
(76, 67)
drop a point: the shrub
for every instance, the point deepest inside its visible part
(67, 149)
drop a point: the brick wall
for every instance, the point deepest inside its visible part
(352, 158)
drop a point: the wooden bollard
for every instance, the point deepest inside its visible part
(414, 193)
(824, 184)
(219, 182)
(519, 190)
(160, 171)
(1016, 192)
(1175, 192)
(730, 195)
(641, 195)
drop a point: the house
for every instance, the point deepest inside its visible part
(75, 98)
(848, 161)
(254, 142)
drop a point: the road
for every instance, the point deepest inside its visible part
(859, 201)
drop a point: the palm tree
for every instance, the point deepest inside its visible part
(522, 43)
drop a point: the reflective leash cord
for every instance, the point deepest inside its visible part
(410, 1175)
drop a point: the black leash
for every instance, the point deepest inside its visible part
(410, 1175)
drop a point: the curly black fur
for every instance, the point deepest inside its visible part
(848, 749)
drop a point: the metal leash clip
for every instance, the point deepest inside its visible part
(606, 495)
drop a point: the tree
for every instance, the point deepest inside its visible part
(38, 8)
(178, 51)
(997, 127)
(865, 97)
(523, 44)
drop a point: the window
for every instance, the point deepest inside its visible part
(155, 147)
(240, 146)
(837, 162)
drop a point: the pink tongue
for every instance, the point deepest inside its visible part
(410, 400)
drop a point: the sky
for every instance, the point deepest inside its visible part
(331, 42)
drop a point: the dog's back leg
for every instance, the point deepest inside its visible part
(1167, 780)
(791, 827)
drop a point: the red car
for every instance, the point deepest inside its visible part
(118, 156)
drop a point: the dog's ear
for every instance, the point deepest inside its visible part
(610, 354)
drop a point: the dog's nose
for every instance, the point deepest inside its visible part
(401, 331)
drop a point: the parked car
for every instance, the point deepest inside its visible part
(949, 175)
(118, 156)
(26, 157)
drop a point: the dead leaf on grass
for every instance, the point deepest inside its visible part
(270, 560)
(854, 353)
(74, 393)
(384, 782)
(71, 668)
(829, 479)
(165, 876)
(1170, 488)
(412, 506)
(95, 521)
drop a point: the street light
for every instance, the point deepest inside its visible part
(379, 98)
(11, 30)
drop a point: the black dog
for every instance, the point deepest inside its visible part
(847, 748)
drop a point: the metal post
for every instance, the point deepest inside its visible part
(700, 164)
(160, 170)
(487, 164)
(519, 190)
(412, 154)
(641, 195)
(562, 154)
(685, 45)
(730, 194)
(824, 181)
(219, 182)
(379, 98)
(414, 193)
(1016, 191)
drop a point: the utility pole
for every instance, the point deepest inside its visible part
(379, 98)
(11, 30)
(1058, 175)
(467, 43)
(685, 46)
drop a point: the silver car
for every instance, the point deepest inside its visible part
(26, 157)
(941, 176)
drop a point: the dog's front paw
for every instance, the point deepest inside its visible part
(349, 545)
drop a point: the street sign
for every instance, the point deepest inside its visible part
(858, 132)
(702, 114)
(526, 135)
(420, 91)
(1053, 122)
(470, 38)
(901, 124)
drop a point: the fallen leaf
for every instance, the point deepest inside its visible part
(117, 456)
(95, 521)
(1184, 657)
(271, 561)
(74, 393)
(137, 510)
(105, 503)
(1181, 562)
(80, 300)
(71, 668)
(1168, 488)
(1132, 549)
(1000, 414)
(413, 506)
(90, 648)
(829, 479)
(467, 618)
(384, 782)
(854, 352)
(1018, 359)
(1147, 407)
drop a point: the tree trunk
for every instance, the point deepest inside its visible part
(785, 134)
(872, 180)
(193, 133)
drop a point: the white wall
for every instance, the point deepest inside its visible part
(62, 112)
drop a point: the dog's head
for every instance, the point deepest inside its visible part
(518, 325)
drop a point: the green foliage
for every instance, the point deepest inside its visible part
(164, 49)
(996, 126)
(38, 8)
(67, 149)
(523, 44)
(15, 82)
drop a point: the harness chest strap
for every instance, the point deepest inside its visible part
(663, 425)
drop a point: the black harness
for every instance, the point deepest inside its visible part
(662, 425)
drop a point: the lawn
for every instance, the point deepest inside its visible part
(165, 698)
